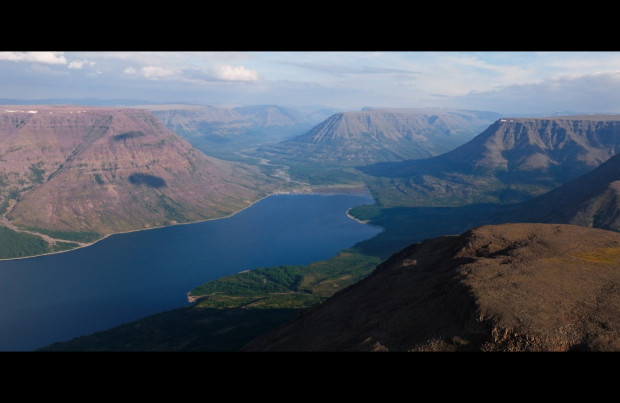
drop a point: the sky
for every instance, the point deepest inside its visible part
(511, 83)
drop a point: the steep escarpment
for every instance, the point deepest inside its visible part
(510, 287)
(511, 161)
(373, 135)
(104, 170)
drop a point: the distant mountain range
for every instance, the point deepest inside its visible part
(104, 170)
(219, 130)
(528, 282)
(373, 135)
(511, 287)
(118, 102)
(513, 160)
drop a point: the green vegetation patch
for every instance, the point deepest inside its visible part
(254, 282)
(237, 309)
(318, 175)
(4, 179)
(4, 205)
(68, 235)
(172, 209)
(17, 244)
(98, 179)
(37, 173)
(366, 212)
(282, 287)
(60, 246)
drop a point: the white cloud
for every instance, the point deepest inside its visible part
(156, 72)
(232, 73)
(504, 81)
(78, 64)
(36, 57)
(588, 93)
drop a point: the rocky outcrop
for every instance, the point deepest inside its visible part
(372, 135)
(511, 161)
(510, 287)
(106, 170)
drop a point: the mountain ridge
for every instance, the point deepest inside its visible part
(380, 134)
(512, 160)
(104, 169)
(508, 287)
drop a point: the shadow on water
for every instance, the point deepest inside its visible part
(406, 225)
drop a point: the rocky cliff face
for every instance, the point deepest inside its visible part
(111, 169)
(514, 159)
(510, 287)
(368, 136)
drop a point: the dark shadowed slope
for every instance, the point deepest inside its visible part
(510, 287)
(592, 200)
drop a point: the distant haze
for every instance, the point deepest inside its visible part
(510, 83)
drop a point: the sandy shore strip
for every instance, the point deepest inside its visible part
(356, 219)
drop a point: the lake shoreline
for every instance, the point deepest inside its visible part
(136, 275)
(318, 190)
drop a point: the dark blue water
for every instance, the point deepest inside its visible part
(125, 277)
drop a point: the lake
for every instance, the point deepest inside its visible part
(125, 277)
